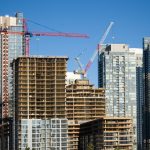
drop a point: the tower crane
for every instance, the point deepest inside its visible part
(84, 71)
(26, 37)
(28, 34)
(77, 59)
(79, 63)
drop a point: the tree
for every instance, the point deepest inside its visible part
(90, 146)
(27, 148)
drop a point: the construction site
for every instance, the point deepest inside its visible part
(15, 42)
(41, 93)
(39, 110)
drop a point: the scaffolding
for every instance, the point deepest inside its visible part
(83, 103)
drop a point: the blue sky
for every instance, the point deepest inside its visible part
(131, 23)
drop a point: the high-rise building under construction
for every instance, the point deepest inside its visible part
(107, 133)
(40, 97)
(11, 46)
(84, 103)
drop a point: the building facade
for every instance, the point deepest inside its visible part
(38, 134)
(139, 93)
(146, 104)
(39, 92)
(117, 73)
(107, 133)
(11, 46)
(84, 102)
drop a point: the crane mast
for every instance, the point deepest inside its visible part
(79, 63)
(80, 70)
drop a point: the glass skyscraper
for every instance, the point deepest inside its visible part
(39, 134)
(11, 46)
(139, 94)
(146, 105)
(117, 74)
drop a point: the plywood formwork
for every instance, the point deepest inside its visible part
(40, 87)
(107, 133)
(83, 103)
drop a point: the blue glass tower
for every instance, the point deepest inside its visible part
(146, 105)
